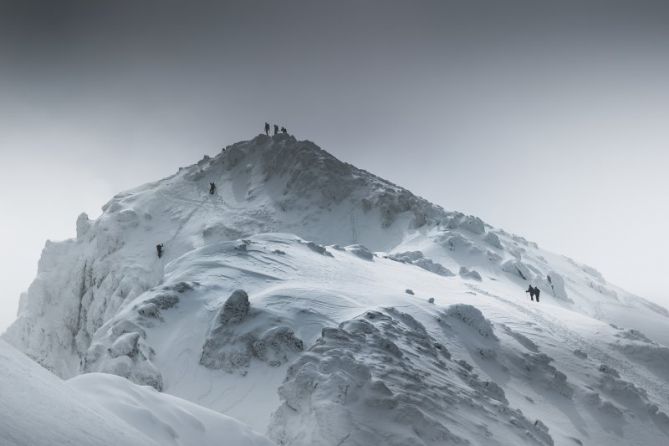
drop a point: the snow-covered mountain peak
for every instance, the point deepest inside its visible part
(308, 298)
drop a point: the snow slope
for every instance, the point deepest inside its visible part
(323, 305)
(38, 408)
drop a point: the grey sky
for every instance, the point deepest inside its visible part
(548, 119)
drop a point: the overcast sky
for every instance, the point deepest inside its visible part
(549, 119)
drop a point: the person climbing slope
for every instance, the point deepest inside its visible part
(212, 188)
(532, 292)
(159, 249)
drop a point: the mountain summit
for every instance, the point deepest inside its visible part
(324, 305)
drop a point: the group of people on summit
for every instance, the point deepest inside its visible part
(276, 129)
(532, 290)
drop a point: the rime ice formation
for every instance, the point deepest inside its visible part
(323, 305)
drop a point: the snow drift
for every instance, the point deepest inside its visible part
(39, 409)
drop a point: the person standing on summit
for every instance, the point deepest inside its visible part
(276, 129)
(267, 128)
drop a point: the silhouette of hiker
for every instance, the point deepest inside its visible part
(159, 248)
(534, 292)
(276, 129)
(283, 130)
(267, 129)
(212, 188)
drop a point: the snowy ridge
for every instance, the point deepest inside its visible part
(323, 305)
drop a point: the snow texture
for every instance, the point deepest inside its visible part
(39, 409)
(279, 301)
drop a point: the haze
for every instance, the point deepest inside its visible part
(548, 119)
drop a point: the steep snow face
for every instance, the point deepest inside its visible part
(312, 300)
(265, 185)
(39, 409)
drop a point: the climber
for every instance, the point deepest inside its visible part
(159, 248)
(212, 188)
(267, 129)
(283, 130)
(276, 129)
(536, 292)
(532, 292)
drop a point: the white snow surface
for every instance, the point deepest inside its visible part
(38, 408)
(282, 301)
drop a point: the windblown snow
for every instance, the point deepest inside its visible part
(39, 409)
(322, 305)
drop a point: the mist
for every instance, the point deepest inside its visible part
(548, 120)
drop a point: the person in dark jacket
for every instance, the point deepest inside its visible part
(267, 128)
(276, 129)
(283, 130)
(530, 290)
(534, 291)
(159, 249)
(212, 188)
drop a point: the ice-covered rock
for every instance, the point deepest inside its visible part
(363, 379)
(538, 369)
(83, 225)
(556, 284)
(493, 240)
(236, 337)
(472, 317)
(519, 269)
(360, 251)
(318, 248)
(453, 241)
(473, 224)
(417, 258)
(122, 350)
(235, 309)
(469, 273)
